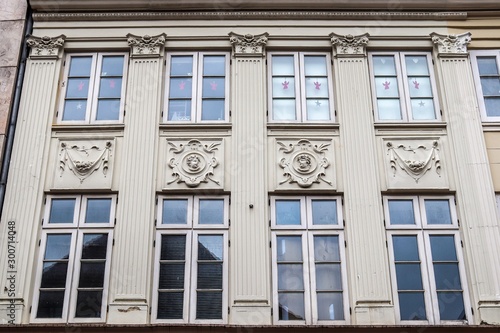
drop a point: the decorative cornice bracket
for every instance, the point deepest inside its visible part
(248, 45)
(46, 47)
(146, 46)
(349, 45)
(451, 45)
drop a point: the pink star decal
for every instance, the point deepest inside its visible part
(416, 84)
(80, 86)
(213, 85)
(182, 85)
(112, 84)
(317, 85)
(285, 84)
(386, 85)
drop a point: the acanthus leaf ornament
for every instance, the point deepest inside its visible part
(416, 162)
(193, 163)
(248, 45)
(451, 45)
(83, 161)
(349, 45)
(46, 47)
(146, 46)
(304, 163)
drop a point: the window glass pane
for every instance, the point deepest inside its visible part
(384, 65)
(324, 212)
(443, 248)
(437, 211)
(98, 210)
(405, 248)
(108, 109)
(492, 105)
(209, 305)
(447, 276)
(94, 246)
(210, 247)
(283, 87)
(290, 277)
(171, 276)
(50, 304)
(389, 109)
(92, 275)
(420, 86)
(54, 274)
(170, 305)
(62, 210)
(451, 306)
(209, 276)
(211, 211)
(213, 88)
(289, 248)
(173, 247)
(328, 277)
(214, 65)
(110, 87)
(181, 66)
(487, 65)
(401, 212)
(330, 306)
(315, 65)
(112, 66)
(58, 246)
(180, 88)
(283, 65)
(88, 304)
(387, 87)
(179, 110)
(77, 88)
(423, 109)
(74, 109)
(416, 65)
(409, 276)
(80, 66)
(174, 211)
(318, 109)
(213, 109)
(326, 248)
(291, 306)
(287, 212)
(284, 109)
(317, 87)
(412, 306)
(490, 86)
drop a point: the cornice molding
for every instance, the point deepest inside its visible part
(146, 46)
(451, 45)
(349, 45)
(248, 45)
(46, 47)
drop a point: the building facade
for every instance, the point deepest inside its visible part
(233, 166)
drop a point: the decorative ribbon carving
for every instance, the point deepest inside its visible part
(84, 161)
(414, 161)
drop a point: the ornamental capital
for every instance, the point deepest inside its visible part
(146, 46)
(451, 45)
(46, 47)
(248, 45)
(349, 45)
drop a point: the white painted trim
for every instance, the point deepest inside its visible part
(416, 212)
(48, 209)
(477, 80)
(83, 211)
(189, 217)
(303, 216)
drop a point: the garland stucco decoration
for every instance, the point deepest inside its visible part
(46, 47)
(304, 163)
(451, 44)
(414, 161)
(248, 45)
(146, 46)
(193, 163)
(349, 45)
(84, 161)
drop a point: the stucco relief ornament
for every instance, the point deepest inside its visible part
(84, 161)
(414, 161)
(46, 46)
(349, 44)
(146, 45)
(304, 163)
(248, 44)
(451, 44)
(193, 163)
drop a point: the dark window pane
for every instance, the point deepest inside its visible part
(288, 212)
(492, 105)
(209, 305)
(108, 109)
(58, 246)
(213, 88)
(328, 277)
(412, 306)
(62, 210)
(409, 277)
(179, 110)
(110, 88)
(326, 248)
(212, 109)
(210, 247)
(77, 88)
(324, 212)
(451, 306)
(291, 306)
(92, 274)
(98, 210)
(289, 248)
(490, 86)
(170, 305)
(88, 304)
(209, 276)
(173, 247)
(80, 66)
(401, 212)
(405, 248)
(487, 65)
(181, 66)
(171, 276)
(214, 65)
(330, 306)
(94, 246)
(211, 211)
(74, 109)
(112, 66)
(174, 211)
(50, 304)
(447, 276)
(443, 248)
(437, 211)
(54, 274)
(290, 277)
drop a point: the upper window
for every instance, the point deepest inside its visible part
(309, 273)
(197, 87)
(485, 66)
(426, 260)
(75, 251)
(93, 88)
(190, 281)
(300, 87)
(403, 87)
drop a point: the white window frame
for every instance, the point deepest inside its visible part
(307, 231)
(404, 91)
(93, 93)
(299, 87)
(191, 231)
(197, 89)
(423, 231)
(477, 79)
(77, 229)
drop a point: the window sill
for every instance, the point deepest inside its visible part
(410, 125)
(87, 127)
(302, 126)
(491, 126)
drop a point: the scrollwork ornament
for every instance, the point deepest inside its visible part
(46, 47)
(82, 161)
(416, 162)
(248, 44)
(146, 46)
(349, 45)
(451, 44)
